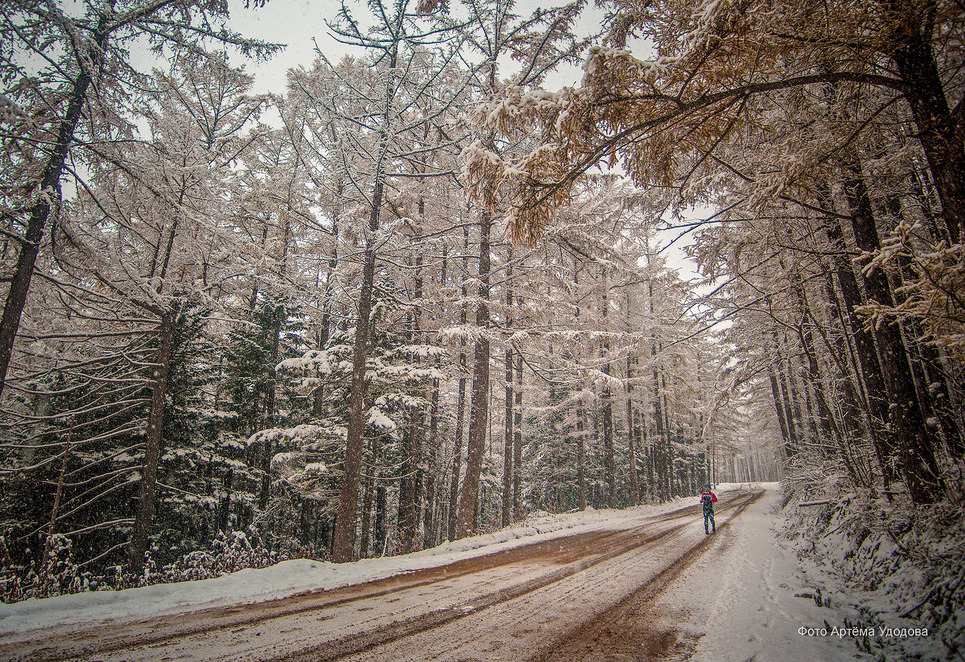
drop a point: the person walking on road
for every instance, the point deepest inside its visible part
(707, 500)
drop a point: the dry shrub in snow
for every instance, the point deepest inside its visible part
(229, 552)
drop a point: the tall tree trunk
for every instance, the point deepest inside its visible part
(650, 459)
(368, 496)
(507, 496)
(480, 390)
(789, 447)
(343, 540)
(372, 485)
(785, 403)
(410, 493)
(508, 419)
(461, 399)
(668, 441)
(429, 512)
(934, 392)
(409, 485)
(609, 464)
(324, 331)
(274, 329)
(581, 433)
(581, 456)
(910, 29)
(144, 517)
(631, 433)
(518, 438)
(829, 426)
(659, 456)
(867, 354)
(640, 439)
(435, 486)
(381, 514)
(854, 411)
(306, 517)
(793, 399)
(49, 189)
(915, 448)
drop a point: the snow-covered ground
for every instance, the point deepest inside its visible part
(745, 597)
(764, 606)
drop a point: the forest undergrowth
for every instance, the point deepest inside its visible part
(895, 569)
(62, 575)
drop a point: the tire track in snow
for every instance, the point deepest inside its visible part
(522, 626)
(344, 646)
(636, 628)
(118, 636)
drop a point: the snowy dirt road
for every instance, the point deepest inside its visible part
(590, 596)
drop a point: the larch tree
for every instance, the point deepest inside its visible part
(408, 55)
(57, 117)
(152, 234)
(494, 33)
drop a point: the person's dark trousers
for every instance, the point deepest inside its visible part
(709, 515)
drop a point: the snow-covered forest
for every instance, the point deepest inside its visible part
(422, 294)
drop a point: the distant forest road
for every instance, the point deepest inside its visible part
(587, 596)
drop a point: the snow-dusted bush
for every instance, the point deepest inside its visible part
(229, 552)
(58, 575)
(896, 567)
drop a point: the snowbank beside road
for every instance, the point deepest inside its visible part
(896, 570)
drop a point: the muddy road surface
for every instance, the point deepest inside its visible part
(588, 596)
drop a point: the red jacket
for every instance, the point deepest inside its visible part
(704, 495)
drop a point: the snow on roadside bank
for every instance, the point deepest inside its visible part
(897, 571)
(765, 608)
(292, 577)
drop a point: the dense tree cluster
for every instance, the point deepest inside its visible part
(240, 327)
(827, 138)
